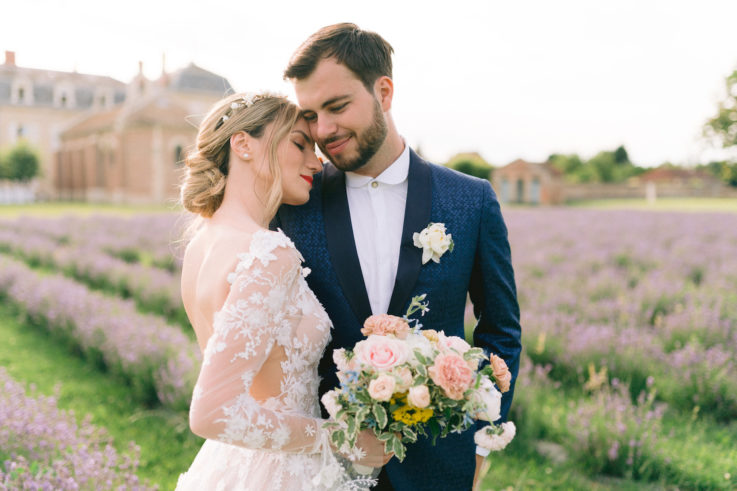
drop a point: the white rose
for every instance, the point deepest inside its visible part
(452, 342)
(340, 359)
(330, 401)
(434, 242)
(495, 442)
(420, 342)
(489, 399)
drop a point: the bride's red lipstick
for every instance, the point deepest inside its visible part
(307, 178)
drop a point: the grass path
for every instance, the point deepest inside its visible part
(32, 357)
(58, 208)
(662, 204)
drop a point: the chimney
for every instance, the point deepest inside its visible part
(10, 58)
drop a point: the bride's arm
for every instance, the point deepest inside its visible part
(244, 333)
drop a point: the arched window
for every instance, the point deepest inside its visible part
(505, 190)
(520, 191)
(535, 191)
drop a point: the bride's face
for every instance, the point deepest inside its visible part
(298, 163)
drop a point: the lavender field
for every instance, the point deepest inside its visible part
(629, 328)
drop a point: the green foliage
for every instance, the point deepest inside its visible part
(606, 166)
(726, 171)
(722, 128)
(471, 164)
(20, 163)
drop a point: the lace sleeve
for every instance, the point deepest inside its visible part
(259, 306)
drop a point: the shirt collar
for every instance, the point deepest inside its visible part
(396, 173)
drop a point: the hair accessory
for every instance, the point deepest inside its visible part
(245, 101)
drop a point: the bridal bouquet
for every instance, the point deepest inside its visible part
(404, 381)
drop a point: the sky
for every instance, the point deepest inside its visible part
(506, 79)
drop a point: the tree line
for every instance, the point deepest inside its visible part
(616, 166)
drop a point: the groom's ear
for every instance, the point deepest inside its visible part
(384, 92)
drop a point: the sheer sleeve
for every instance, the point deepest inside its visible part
(259, 308)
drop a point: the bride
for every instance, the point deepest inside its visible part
(261, 329)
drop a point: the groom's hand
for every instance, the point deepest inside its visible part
(374, 448)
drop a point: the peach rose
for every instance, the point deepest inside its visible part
(451, 372)
(385, 324)
(381, 352)
(382, 387)
(502, 375)
(419, 396)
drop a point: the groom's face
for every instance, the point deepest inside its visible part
(345, 119)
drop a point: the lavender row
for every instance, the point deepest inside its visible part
(43, 447)
(602, 429)
(154, 239)
(641, 296)
(159, 362)
(154, 290)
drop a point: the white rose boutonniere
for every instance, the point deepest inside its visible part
(433, 241)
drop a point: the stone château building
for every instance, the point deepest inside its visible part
(36, 105)
(133, 153)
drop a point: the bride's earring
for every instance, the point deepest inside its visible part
(246, 156)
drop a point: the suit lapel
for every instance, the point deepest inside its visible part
(416, 217)
(341, 244)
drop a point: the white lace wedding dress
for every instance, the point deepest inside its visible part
(269, 335)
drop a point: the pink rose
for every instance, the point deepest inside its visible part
(381, 352)
(451, 372)
(419, 396)
(404, 378)
(502, 376)
(382, 387)
(385, 324)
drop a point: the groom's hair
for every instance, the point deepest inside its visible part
(364, 53)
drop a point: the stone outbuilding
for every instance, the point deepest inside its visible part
(529, 183)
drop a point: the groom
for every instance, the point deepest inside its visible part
(356, 233)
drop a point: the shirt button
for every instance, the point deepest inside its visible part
(374, 184)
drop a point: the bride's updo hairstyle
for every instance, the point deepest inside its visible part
(207, 165)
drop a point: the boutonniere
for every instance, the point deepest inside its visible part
(433, 241)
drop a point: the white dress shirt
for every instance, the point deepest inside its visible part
(377, 216)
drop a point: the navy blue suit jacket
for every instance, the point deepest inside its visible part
(479, 265)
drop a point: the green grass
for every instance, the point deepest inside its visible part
(58, 208)
(662, 204)
(32, 357)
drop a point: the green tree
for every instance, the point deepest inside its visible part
(569, 164)
(621, 156)
(20, 163)
(722, 128)
(472, 164)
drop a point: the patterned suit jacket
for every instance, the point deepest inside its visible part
(479, 265)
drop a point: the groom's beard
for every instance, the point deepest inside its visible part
(369, 141)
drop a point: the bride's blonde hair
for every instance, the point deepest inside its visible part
(207, 166)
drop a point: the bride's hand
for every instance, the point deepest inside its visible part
(374, 449)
